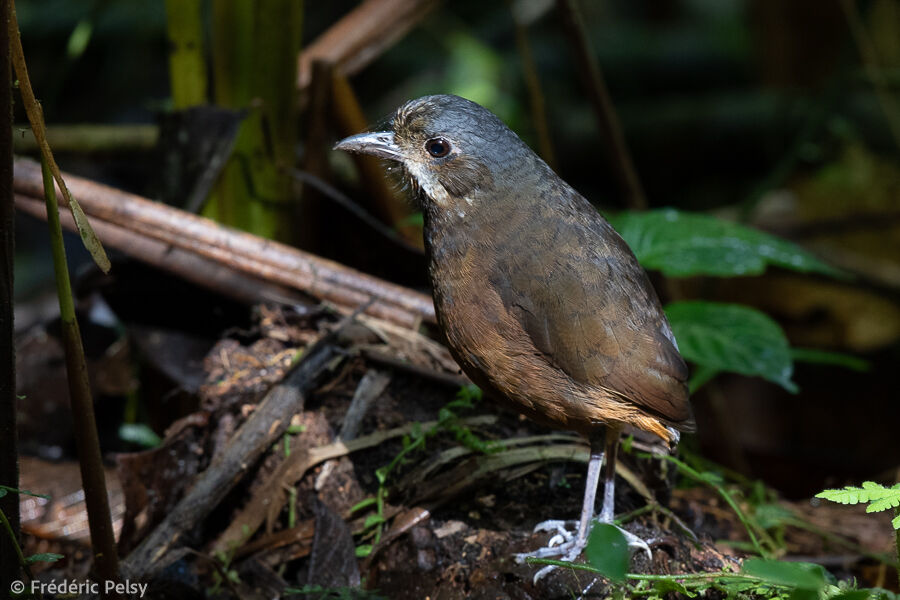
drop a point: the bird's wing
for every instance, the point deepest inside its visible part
(594, 314)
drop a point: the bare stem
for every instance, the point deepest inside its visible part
(36, 118)
(106, 559)
(610, 129)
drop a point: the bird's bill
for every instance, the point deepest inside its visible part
(379, 143)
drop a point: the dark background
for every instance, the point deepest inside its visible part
(756, 110)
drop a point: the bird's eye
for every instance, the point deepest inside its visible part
(438, 147)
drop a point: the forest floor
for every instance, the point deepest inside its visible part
(392, 478)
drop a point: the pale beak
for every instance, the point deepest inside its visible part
(379, 143)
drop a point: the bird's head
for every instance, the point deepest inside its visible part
(452, 150)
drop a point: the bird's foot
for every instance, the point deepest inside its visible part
(566, 545)
(635, 544)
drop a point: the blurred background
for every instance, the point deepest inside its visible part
(780, 115)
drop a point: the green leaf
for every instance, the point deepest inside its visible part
(682, 244)
(807, 576)
(881, 594)
(803, 594)
(669, 585)
(139, 434)
(4, 489)
(381, 474)
(88, 237)
(363, 550)
(853, 595)
(823, 357)
(732, 337)
(79, 39)
(880, 497)
(895, 522)
(43, 557)
(363, 504)
(772, 515)
(883, 504)
(607, 551)
(372, 521)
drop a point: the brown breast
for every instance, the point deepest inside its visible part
(552, 313)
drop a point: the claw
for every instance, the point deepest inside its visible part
(565, 545)
(635, 543)
(557, 540)
(556, 525)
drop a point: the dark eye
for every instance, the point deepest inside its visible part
(438, 147)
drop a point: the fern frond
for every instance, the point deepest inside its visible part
(877, 496)
(884, 503)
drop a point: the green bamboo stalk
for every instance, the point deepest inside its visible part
(93, 479)
(255, 47)
(187, 62)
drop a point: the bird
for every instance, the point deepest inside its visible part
(541, 302)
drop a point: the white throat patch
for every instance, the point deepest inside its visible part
(433, 189)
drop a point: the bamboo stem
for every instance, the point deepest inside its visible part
(187, 62)
(535, 93)
(254, 57)
(103, 541)
(610, 129)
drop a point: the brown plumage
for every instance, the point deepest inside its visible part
(543, 304)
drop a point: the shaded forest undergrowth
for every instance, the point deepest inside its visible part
(395, 476)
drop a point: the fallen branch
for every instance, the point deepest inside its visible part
(271, 496)
(267, 423)
(89, 138)
(362, 35)
(190, 266)
(261, 258)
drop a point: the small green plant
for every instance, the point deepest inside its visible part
(223, 573)
(140, 434)
(757, 579)
(762, 542)
(608, 556)
(718, 337)
(878, 498)
(754, 504)
(448, 421)
(24, 561)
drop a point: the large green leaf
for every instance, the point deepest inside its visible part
(681, 244)
(806, 576)
(732, 337)
(607, 551)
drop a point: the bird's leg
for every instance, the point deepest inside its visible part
(568, 546)
(607, 512)
(595, 463)
(564, 543)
